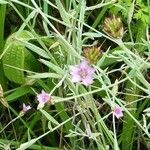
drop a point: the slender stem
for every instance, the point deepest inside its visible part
(2, 22)
(10, 123)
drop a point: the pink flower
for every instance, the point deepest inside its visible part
(43, 98)
(25, 108)
(117, 111)
(82, 73)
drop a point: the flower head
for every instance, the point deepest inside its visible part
(118, 112)
(92, 54)
(43, 98)
(113, 26)
(25, 108)
(82, 73)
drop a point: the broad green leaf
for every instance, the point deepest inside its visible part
(13, 61)
(17, 58)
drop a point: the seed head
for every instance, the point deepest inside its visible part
(113, 26)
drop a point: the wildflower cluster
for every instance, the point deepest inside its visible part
(81, 73)
(42, 98)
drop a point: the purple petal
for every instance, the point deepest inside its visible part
(26, 108)
(75, 73)
(43, 97)
(118, 112)
(74, 69)
(90, 70)
(119, 115)
(76, 78)
(40, 98)
(87, 81)
(84, 64)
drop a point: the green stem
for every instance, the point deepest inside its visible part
(2, 22)
(9, 123)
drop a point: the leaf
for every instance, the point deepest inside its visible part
(49, 117)
(92, 34)
(13, 60)
(27, 144)
(30, 63)
(57, 69)
(18, 93)
(115, 88)
(130, 13)
(147, 111)
(64, 15)
(17, 58)
(50, 126)
(36, 49)
(45, 75)
(3, 2)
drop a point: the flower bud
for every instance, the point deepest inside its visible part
(25, 108)
(113, 26)
(92, 54)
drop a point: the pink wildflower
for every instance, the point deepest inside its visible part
(117, 111)
(43, 98)
(25, 108)
(82, 73)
